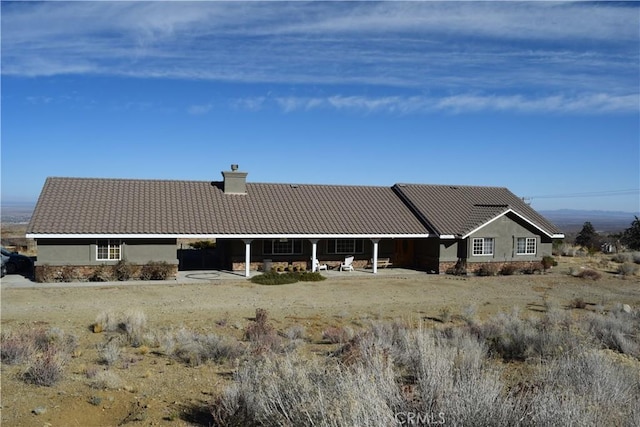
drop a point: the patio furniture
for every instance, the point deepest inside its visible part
(382, 262)
(319, 266)
(347, 264)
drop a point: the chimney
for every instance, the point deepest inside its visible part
(235, 182)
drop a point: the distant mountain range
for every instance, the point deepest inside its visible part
(572, 220)
(568, 220)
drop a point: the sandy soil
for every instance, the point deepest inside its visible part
(159, 391)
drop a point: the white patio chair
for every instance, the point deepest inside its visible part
(347, 265)
(319, 266)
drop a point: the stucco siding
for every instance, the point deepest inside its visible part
(84, 252)
(505, 231)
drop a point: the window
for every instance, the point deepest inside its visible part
(108, 250)
(345, 246)
(526, 246)
(282, 247)
(483, 246)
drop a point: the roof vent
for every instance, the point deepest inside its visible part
(235, 182)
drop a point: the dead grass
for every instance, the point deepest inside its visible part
(176, 391)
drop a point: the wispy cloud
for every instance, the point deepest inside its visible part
(526, 53)
(198, 110)
(589, 103)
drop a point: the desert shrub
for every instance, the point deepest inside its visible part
(110, 352)
(101, 273)
(337, 334)
(578, 302)
(617, 330)
(274, 278)
(532, 268)
(508, 269)
(123, 270)
(445, 314)
(487, 269)
(636, 257)
(296, 332)
(156, 270)
(45, 353)
(586, 388)
(289, 390)
(513, 338)
(46, 273)
(569, 250)
(548, 262)
(587, 273)
(262, 334)
(621, 258)
(69, 273)
(388, 372)
(134, 324)
(627, 269)
(107, 321)
(18, 346)
(105, 380)
(46, 368)
(195, 348)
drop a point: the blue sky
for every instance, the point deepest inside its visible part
(540, 97)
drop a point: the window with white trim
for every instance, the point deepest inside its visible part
(526, 246)
(483, 246)
(108, 250)
(345, 246)
(282, 247)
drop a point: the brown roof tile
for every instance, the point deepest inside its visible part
(458, 210)
(128, 206)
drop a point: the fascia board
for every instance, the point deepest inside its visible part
(221, 236)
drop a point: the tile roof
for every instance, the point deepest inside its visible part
(458, 210)
(81, 206)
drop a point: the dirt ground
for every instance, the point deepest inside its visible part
(158, 391)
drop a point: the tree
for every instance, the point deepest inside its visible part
(631, 236)
(588, 237)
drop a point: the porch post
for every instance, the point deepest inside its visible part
(375, 255)
(247, 257)
(314, 254)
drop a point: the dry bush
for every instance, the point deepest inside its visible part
(621, 258)
(105, 380)
(636, 257)
(134, 324)
(487, 269)
(296, 332)
(627, 269)
(618, 330)
(261, 334)
(337, 334)
(508, 269)
(46, 368)
(107, 321)
(110, 352)
(388, 371)
(45, 352)
(195, 349)
(586, 273)
(578, 302)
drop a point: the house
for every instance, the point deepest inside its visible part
(88, 222)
